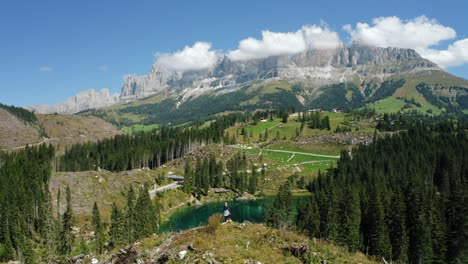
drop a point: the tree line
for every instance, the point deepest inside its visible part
(23, 114)
(403, 197)
(237, 174)
(145, 149)
(24, 201)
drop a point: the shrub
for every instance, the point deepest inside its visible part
(214, 222)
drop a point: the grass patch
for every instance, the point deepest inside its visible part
(138, 128)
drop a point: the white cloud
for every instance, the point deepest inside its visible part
(420, 34)
(278, 43)
(103, 67)
(45, 69)
(455, 55)
(196, 57)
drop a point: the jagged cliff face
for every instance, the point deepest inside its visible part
(84, 100)
(319, 67)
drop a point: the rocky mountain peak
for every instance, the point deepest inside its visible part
(82, 101)
(317, 66)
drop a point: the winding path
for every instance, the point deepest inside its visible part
(301, 153)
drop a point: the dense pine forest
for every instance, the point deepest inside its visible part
(238, 174)
(402, 197)
(145, 149)
(24, 201)
(155, 148)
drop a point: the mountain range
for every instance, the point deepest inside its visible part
(365, 67)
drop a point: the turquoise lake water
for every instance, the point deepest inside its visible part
(193, 216)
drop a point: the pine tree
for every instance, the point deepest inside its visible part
(379, 242)
(280, 214)
(349, 219)
(188, 177)
(117, 230)
(285, 118)
(397, 228)
(130, 216)
(66, 236)
(253, 180)
(145, 222)
(308, 217)
(99, 238)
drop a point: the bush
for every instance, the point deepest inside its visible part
(214, 222)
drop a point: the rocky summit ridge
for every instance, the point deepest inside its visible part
(316, 66)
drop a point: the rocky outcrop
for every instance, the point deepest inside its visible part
(323, 66)
(320, 67)
(158, 79)
(89, 99)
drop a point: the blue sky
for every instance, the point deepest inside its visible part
(51, 50)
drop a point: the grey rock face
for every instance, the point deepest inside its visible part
(324, 66)
(142, 86)
(82, 101)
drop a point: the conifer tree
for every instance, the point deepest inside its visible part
(98, 227)
(349, 219)
(308, 217)
(397, 228)
(130, 216)
(253, 180)
(145, 222)
(66, 237)
(279, 215)
(188, 177)
(117, 230)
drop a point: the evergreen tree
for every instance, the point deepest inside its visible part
(253, 180)
(285, 118)
(397, 228)
(130, 216)
(98, 228)
(280, 214)
(349, 219)
(146, 219)
(117, 230)
(378, 237)
(66, 236)
(188, 177)
(308, 217)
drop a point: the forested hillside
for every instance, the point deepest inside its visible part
(402, 197)
(146, 149)
(24, 202)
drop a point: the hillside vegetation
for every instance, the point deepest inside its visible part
(66, 130)
(242, 243)
(398, 93)
(16, 132)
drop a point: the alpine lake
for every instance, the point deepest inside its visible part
(241, 210)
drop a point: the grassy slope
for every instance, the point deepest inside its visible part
(244, 243)
(408, 90)
(66, 130)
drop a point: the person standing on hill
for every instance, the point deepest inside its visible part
(227, 214)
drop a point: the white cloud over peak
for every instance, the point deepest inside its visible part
(455, 55)
(279, 43)
(420, 33)
(196, 57)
